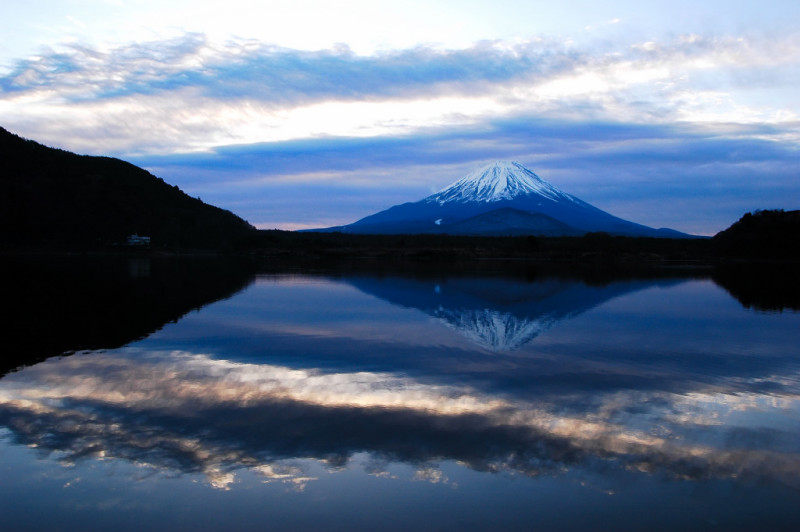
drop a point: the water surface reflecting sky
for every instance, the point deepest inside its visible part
(643, 392)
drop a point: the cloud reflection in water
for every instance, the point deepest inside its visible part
(189, 413)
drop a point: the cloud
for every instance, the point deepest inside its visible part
(188, 414)
(191, 94)
(251, 70)
(628, 126)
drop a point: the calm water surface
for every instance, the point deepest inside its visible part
(401, 402)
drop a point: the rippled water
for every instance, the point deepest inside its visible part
(360, 401)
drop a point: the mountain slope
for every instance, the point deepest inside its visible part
(501, 185)
(54, 198)
(511, 222)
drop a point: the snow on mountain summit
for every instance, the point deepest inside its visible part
(501, 180)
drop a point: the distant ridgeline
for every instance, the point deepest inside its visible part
(54, 198)
(771, 234)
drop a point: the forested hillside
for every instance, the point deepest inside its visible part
(54, 198)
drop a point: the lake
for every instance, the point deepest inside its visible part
(185, 395)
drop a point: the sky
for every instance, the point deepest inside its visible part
(302, 114)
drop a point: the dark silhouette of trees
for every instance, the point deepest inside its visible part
(768, 234)
(54, 198)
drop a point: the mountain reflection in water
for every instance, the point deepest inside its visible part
(494, 312)
(669, 379)
(57, 305)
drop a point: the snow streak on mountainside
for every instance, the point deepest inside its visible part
(498, 181)
(495, 330)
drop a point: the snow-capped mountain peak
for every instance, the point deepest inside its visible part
(502, 198)
(501, 180)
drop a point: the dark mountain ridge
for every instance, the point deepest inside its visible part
(773, 234)
(57, 199)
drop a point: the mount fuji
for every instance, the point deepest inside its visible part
(499, 314)
(502, 198)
